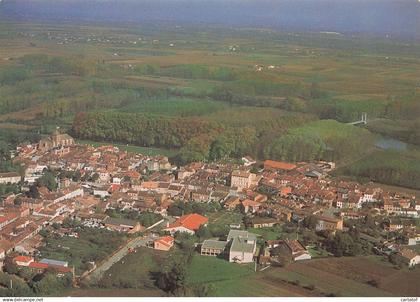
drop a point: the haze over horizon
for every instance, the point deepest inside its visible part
(397, 17)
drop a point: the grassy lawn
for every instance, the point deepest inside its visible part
(134, 271)
(150, 151)
(317, 252)
(234, 280)
(267, 233)
(225, 218)
(272, 233)
(204, 269)
(92, 245)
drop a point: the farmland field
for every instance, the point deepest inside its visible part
(273, 93)
(345, 276)
(332, 276)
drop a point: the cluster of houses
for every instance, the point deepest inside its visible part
(106, 178)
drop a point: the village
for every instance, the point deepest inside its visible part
(267, 213)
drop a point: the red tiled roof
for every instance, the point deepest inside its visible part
(38, 265)
(8, 217)
(271, 164)
(23, 258)
(167, 240)
(191, 222)
(61, 269)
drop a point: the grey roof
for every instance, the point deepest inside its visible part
(242, 241)
(54, 262)
(243, 234)
(214, 244)
(240, 244)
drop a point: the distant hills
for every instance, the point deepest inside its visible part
(393, 17)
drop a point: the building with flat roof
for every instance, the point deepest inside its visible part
(243, 246)
(54, 262)
(211, 247)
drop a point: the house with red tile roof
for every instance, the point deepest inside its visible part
(163, 243)
(187, 224)
(23, 260)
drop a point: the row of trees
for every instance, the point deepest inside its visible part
(390, 167)
(140, 129)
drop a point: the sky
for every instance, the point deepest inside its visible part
(397, 17)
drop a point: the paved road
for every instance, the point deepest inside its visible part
(117, 256)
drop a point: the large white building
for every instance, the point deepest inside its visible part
(242, 179)
(242, 246)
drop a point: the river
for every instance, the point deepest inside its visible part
(387, 143)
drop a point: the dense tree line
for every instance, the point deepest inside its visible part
(28, 284)
(388, 167)
(140, 129)
(197, 139)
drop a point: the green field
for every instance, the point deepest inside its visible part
(345, 276)
(206, 269)
(294, 108)
(224, 218)
(135, 271)
(175, 107)
(332, 276)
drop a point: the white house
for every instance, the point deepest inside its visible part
(409, 256)
(242, 246)
(413, 239)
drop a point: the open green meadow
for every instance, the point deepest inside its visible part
(225, 218)
(135, 271)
